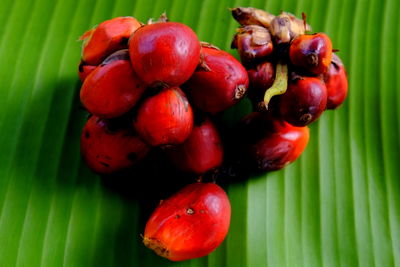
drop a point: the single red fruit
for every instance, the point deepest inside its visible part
(190, 224)
(311, 52)
(336, 83)
(253, 42)
(85, 70)
(112, 89)
(219, 83)
(201, 152)
(261, 78)
(304, 101)
(107, 146)
(165, 118)
(164, 53)
(269, 143)
(108, 37)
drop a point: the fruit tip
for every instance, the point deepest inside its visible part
(240, 91)
(163, 17)
(156, 246)
(304, 17)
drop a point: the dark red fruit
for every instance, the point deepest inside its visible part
(304, 101)
(165, 118)
(219, 84)
(336, 83)
(107, 146)
(112, 89)
(201, 152)
(311, 52)
(190, 224)
(261, 78)
(108, 37)
(253, 43)
(269, 143)
(85, 70)
(164, 53)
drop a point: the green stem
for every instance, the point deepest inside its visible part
(280, 84)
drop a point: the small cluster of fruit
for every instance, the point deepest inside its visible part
(300, 69)
(157, 85)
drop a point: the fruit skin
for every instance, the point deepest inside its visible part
(304, 101)
(261, 78)
(84, 70)
(108, 147)
(113, 88)
(311, 52)
(336, 83)
(269, 143)
(108, 37)
(164, 53)
(253, 43)
(190, 224)
(165, 118)
(201, 152)
(220, 85)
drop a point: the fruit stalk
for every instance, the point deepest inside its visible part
(279, 86)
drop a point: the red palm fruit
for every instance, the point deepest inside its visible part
(84, 70)
(165, 118)
(270, 143)
(190, 224)
(108, 37)
(304, 101)
(164, 53)
(201, 152)
(261, 78)
(311, 52)
(112, 88)
(219, 83)
(107, 146)
(336, 83)
(252, 42)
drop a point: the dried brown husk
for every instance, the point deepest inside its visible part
(252, 16)
(285, 27)
(259, 35)
(163, 18)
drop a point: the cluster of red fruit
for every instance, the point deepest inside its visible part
(157, 85)
(137, 80)
(283, 59)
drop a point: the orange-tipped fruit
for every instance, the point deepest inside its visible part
(190, 224)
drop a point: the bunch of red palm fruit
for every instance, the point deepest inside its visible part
(294, 77)
(155, 85)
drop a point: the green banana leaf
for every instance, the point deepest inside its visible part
(338, 205)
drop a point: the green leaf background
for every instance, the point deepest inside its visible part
(338, 205)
